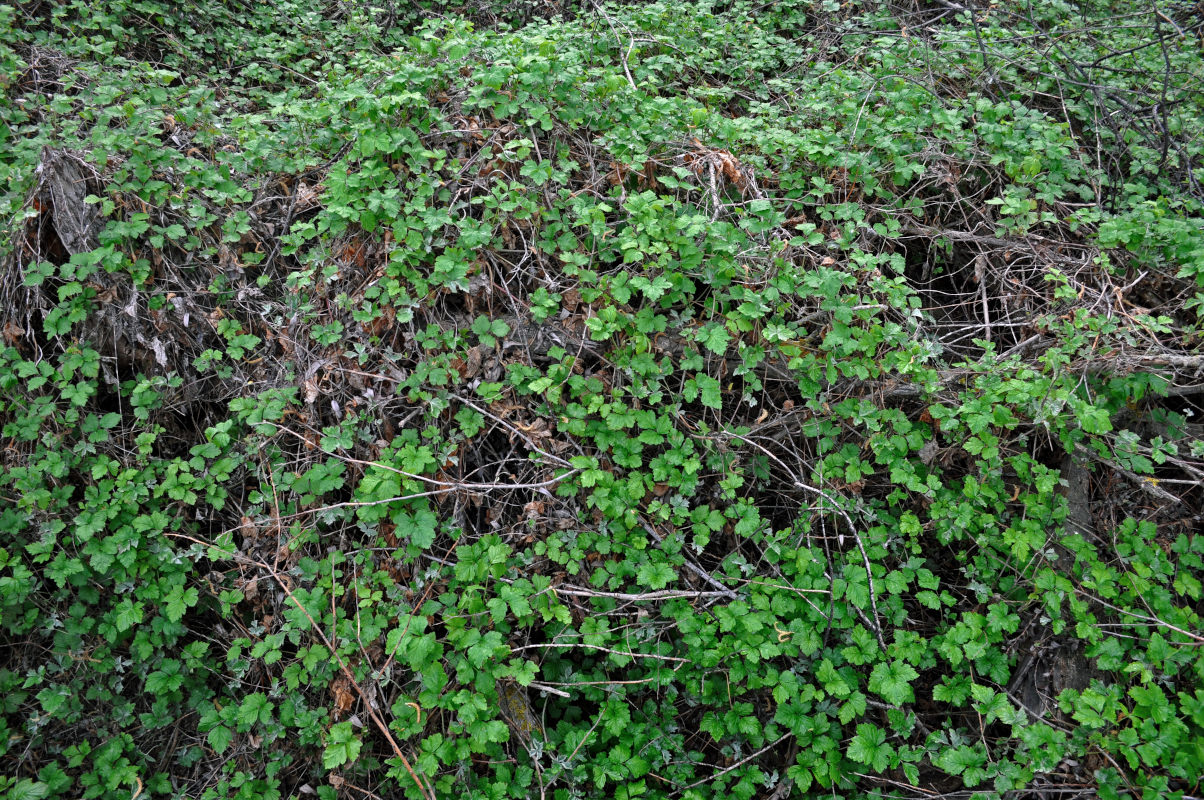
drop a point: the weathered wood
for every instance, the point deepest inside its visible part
(63, 186)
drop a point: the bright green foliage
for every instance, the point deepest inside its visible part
(651, 401)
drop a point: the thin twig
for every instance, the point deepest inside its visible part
(567, 645)
(452, 486)
(630, 46)
(869, 573)
(543, 687)
(738, 764)
(664, 594)
(1195, 637)
(697, 570)
(377, 720)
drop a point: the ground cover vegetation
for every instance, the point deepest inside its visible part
(667, 400)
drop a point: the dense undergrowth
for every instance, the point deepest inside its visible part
(564, 401)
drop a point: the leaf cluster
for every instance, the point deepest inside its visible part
(655, 401)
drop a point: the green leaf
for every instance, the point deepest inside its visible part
(255, 708)
(958, 760)
(129, 613)
(421, 652)
(869, 747)
(831, 679)
(420, 528)
(178, 601)
(219, 738)
(52, 698)
(166, 679)
(854, 707)
(709, 390)
(652, 289)
(655, 576)
(893, 682)
(27, 789)
(342, 747)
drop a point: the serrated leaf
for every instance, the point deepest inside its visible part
(892, 682)
(957, 760)
(219, 738)
(853, 708)
(52, 698)
(420, 528)
(652, 289)
(255, 708)
(928, 599)
(831, 679)
(342, 747)
(519, 605)
(655, 576)
(709, 391)
(422, 651)
(129, 613)
(178, 601)
(715, 338)
(166, 679)
(869, 747)
(27, 789)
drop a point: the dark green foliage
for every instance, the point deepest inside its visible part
(652, 401)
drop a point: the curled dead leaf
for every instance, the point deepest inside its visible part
(343, 698)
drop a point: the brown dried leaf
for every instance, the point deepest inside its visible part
(472, 366)
(13, 332)
(343, 697)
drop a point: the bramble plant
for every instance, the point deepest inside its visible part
(583, 400)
